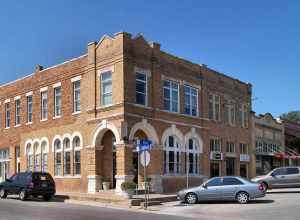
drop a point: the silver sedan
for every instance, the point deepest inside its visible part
(230, 188)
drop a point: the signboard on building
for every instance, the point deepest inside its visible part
(216, 156)
(244, 157)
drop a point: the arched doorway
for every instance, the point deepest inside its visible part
(106, 159)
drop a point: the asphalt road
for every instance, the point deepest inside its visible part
(275, 206)
(13, 209)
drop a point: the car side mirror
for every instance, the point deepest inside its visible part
(273, 175)
(204, 186)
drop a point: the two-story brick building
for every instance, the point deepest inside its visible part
(78, 120)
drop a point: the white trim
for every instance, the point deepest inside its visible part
(45, 119)
(75, 79)
(17, 98)
(53, 141)
(29, 123)
(147, 72)
(173, 131)
(192, 134)
(57, 117)
(68, 177)
(76, 113)
(146, 85)
(106, 69)
(44, 89)
(7, 101)
(147, 128)
(29, 93)
(77, 134)
(18, 125)
(45, 139)
(56, 85)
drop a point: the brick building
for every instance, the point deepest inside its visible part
(78, 120)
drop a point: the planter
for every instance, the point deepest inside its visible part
(128, 193)
(106, 185)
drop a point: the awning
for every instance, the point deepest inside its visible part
(288, 154)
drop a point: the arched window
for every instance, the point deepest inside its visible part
(57, 155)
(172, 155)
(67, 156)
(44, 148)
(192, 157)
(77, 156)
(29, 155)
(37, 156)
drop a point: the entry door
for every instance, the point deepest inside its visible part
(114, 162)
(135, 161)
(243, 170)
(214, 169)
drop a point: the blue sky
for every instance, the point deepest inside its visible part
(254, 41)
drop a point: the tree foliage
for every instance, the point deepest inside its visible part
(293, 116)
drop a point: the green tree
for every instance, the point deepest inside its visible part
(293, 116)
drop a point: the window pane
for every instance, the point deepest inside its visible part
(106, 76)
(215, 182)
(140, 99)
(232, 181)
(141, 76)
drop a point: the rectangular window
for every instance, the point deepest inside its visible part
(57, 101)
(44, 105)
(141, 88)
(44, 162)
(29, 109)
(17, 112)
(7, 115)
(190, 100)
(243, 148)
(171, 96)
(77, 170)
(58, 164)
(215, 145)
(67, 163)
(243, 115)
(214, 107)
(229, 112)
(76, 96)
(106, 85)
(18, 160)
(230, 147)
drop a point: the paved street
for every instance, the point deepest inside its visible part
(273, 206)
(12, 209)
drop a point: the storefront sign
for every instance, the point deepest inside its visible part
(216, 156)
(245, 158)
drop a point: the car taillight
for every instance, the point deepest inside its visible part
(261, 187)
(31, 185)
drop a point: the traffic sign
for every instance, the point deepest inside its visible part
(145, 158)
(143, 145)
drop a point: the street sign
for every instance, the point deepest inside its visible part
(145, 158)
(143, 145)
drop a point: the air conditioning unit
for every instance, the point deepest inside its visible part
(216, 156)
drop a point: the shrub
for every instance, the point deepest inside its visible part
(128, 186)
(105, 179)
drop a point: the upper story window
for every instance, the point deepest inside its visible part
(229, 114)
(106, 85)
(171, 96)
(76, 96)
(141, 88)
(215, 145)
(29, 108)
(44, 105)
(243, 115)
(17, 112)
(214, 107)
(57, 101)
(230, 147)
(243, 148)
(7, 115)
(190, 100)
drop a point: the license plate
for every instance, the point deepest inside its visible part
(44, 185)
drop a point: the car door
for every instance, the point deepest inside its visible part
(292, 177)
(211, 190)
(277, 179)
(11, 184)
(230, 188)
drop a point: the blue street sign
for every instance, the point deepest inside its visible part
(143, 145)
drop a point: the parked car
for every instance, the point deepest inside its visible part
(282, 177)
(28, 184)
(230, 188)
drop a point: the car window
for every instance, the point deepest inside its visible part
(292, 170)
(279, 171)
(230, 181)
(13, 178)
(215, 182)
(42, 177)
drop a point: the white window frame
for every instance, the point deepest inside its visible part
(190, 94)
(244, 148)
(230, 147)
(76, 94)
(57, 101)
(195, 151)
(44, 106)
(7, 115)
(215, 145)
(29, 108)
(230, 112)
(102, 88)
(216, 111)
(177, 161)
(171, 95)
(17, 112)
(37, 156)
(146, 87)
(67, 150)
(56, 152)
(76, 150)
(44, 156)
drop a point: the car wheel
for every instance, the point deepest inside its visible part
(191, 198)
(242, 197)
(47, 198)
(265, 186)
(3, 193)
(22, 195)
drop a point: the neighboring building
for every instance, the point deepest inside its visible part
(79, 119)
(269, 141)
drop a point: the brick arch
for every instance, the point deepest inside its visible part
(194, 135)
(147, 128)
(173, 131)
(102, 128)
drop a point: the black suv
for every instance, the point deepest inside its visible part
(28, 184)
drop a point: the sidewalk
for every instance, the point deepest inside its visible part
(284, 190)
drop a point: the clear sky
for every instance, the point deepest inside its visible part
(254, 41)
